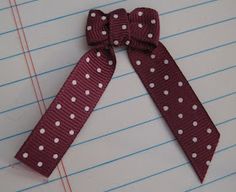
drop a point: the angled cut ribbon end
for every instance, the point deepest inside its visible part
(202, 167)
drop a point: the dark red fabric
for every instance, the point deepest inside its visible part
(167, 86)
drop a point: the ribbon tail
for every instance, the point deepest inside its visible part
(178, 104)
(68, 112)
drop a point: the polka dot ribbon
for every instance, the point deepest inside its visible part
(167, 86)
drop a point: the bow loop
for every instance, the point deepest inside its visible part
(144, 28)
(97, 28)
(139, 29)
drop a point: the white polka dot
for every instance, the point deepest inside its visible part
(209, 130)
(103, 18)
(180, 83)
(89, 28)
(153, 56)
(100, 85)
(72, 116)
(86, 108)
(165, 108)
(73, 99)
(74, 82)
(150, 35)
(152, 70)
(110, 62)
(180, 100)
(127, 42)
(209, 147)
(115, 16)
(71, 132)
(138, 62)
(180, 131)
(39, 164)
(55, 156)
(180, 115)
(194, 155)
(87, 59)
(140, 13)
(99, 70)
(116, 42)
(104, 32)
(87, 92)
(194, 107)
(166, 77)
(195, 123)
(140, 25)
(166, 92)
(194, 139)
(56, 140)
(208, 163)
(42, 131)
(93, 14)
(25, 155)
(57, 123)
(41, 148)
(58, 106)
(166, 61)
(151, 85)
(153, 21)
(124, 27)
(87, 76)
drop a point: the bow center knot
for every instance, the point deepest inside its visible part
(119, 28)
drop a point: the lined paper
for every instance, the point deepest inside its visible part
(125, 145)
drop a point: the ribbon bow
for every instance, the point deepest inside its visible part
(119, 29)
(168, 88)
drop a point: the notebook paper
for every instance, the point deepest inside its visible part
(125, 145)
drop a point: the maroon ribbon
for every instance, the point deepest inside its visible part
(167, 86)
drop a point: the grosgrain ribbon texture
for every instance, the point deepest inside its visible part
(160, 75)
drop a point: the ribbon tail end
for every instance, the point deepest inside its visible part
(202, 168)
(44, 173)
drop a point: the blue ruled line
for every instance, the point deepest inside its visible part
(206, 50)
(187, 7)
(24, 3)
(183, 57)
(160, 172)
(131, 127)
(147, 177)
(40, 74)
(15, 135)
(63, 16)
(81, 36)
(213, 181)
(118, 131)
(213, 73)
(119, 102)
(8, 166)
(71, 65)
(117, 159)
(75, 38)
(200, 27)
(140, 124)
(229, 94)
(97, 7)
(229, 120)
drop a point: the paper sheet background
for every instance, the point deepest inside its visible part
(124, 146)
